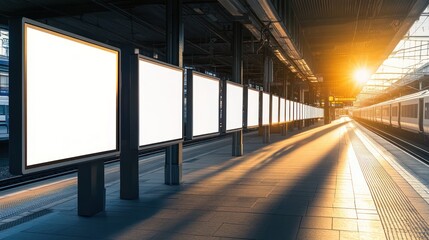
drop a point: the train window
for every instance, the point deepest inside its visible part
(409, 111)
(394, 111)
(426, 110)
(386, 112)
(4, 81)
(2, 110)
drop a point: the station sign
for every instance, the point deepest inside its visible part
(344, 99)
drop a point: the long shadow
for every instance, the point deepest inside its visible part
(121, 218)
(264, 229)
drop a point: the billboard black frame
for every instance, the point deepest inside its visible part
(190, 108)
(224, 103)
(168, 142)
(246, 107)
(18, 105)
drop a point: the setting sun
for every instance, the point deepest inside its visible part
(362, 75)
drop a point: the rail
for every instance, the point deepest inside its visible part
(411, 147)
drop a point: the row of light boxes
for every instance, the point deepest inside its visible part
(69, 108)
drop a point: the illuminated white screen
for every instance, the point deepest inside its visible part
(293, 112)
(275, 110)
(265, 108)
(71, 97)
(282, 110)
(205, 104)
(160, 103)
(234, 106)
(287, 110)
(252, 108)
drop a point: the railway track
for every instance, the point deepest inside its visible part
(411, 147)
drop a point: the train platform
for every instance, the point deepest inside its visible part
(336, 181)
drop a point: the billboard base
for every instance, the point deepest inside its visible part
(91, 192)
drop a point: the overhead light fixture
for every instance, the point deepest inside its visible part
(198, 10)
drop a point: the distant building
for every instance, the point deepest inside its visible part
(4, 79)
(4, 62)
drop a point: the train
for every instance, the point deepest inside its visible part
(409, 113)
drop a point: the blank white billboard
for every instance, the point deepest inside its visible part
(71, 97)
(265, 108)
(293, 111)
(275, 110)
(234, 106)
(252, 108)
(282, 110)
(160, 102)
(288, 107)
(205, 105)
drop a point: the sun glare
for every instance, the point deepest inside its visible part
(362, 75)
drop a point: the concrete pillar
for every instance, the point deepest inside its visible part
(327, 107)
(129, 158)
(90, 186)
(175, 44)
(285, 94)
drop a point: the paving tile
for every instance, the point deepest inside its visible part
(371, 236)
(346, 235)
(320, 211)
(237, 217)
(364, 216)
(311, 234)
(345, 224)
(371, 226)
(344, 213)
(229, 230)
(316, 222)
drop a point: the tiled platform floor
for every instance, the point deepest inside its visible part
(323, 183)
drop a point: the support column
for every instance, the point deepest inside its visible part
(7, 120)
(129, 164)
(285, 92)
(90, 186)
(237, 76)
(300, 100)
(268, 76)
(175, 44)
(327, 107)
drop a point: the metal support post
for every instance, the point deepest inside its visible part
(237, 143)
(285, 92)
(237, 76)
(129, 164)
(327, 115)
(173, 164)
(175, 44)
(91, 192)
(7, 120)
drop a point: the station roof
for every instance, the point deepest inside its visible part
(320, 41)
(344, 35)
